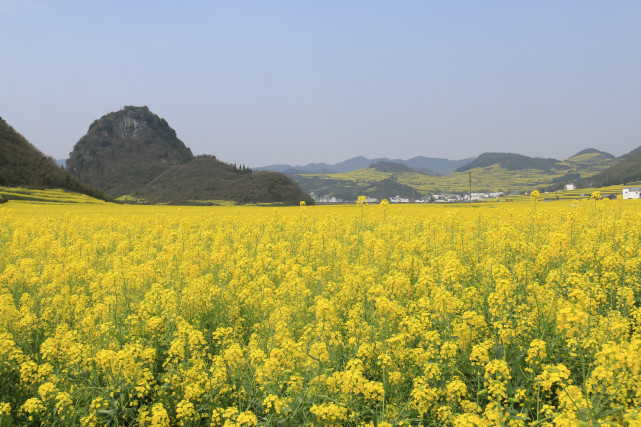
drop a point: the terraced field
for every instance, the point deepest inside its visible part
(46, 196)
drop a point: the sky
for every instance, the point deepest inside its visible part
(272, 82)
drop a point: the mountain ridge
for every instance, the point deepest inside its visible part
(431, 164)
(490, 172)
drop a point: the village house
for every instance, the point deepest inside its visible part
(399, 199)
(632, 190)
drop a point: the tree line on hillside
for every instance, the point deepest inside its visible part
(23, 165)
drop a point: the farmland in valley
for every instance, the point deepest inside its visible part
(490, 172)
(518, 313)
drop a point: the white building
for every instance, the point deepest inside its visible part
(632, 191)
(399, 199)
(569, 186)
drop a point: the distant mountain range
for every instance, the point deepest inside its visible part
(490, 172)
(429, 165)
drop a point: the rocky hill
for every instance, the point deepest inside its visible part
(133, 152)
(23, 165)
(123, 151)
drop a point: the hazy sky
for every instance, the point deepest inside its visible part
(264, 82)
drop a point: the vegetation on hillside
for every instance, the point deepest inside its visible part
(125, 150)
(383, 185)
(502, 172)
(584, 164)
(511, 162)
(429, 165)
(46, 195)
(627, 169)
(23, 165)
(594, 151)
(390, 167)
(206, 178)
(133, 154)
(396, 168)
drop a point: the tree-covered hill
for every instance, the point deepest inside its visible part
(511, 162)
(593, 152)
(22, 164)
(125, 150)
(133, 152)
(626, 169)
(205, 178)
(390, 167)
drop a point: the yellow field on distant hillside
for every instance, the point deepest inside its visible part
(490, 178)
(46, 196)
(513, 314)
(484, 179)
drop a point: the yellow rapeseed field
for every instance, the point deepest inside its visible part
(377, 315)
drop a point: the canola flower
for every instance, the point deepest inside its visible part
(418, 315)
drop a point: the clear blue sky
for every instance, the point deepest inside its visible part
(264, 82)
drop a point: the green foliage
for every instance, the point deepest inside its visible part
(625, 170)
(21, 164)
(205, 178)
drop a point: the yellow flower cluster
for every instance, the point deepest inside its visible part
(490, 314)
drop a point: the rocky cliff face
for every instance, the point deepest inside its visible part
(125, 150)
